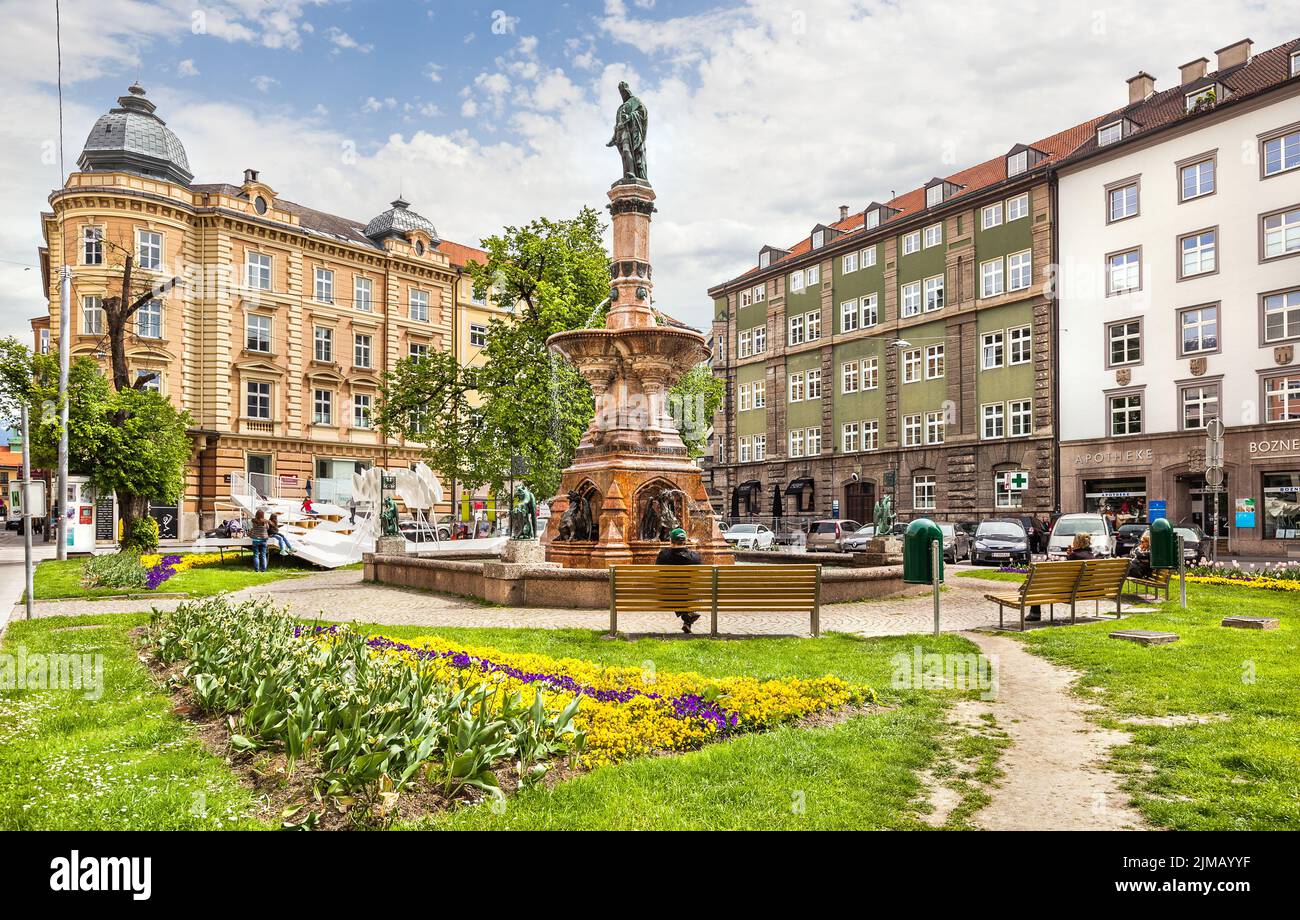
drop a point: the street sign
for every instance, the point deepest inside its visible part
(1213, 454)
(1214, 429)
(1156, 509)
(1214, 477)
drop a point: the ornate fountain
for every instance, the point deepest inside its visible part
(632, 481)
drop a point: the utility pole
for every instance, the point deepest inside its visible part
(65, 348)
(27, 511)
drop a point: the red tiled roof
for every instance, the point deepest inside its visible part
(459, 254)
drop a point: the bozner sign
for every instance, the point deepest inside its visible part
(1278, 446)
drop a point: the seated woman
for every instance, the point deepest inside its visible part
(1139, 564)
(1081, 548)
(273, 528)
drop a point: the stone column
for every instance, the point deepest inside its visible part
(631, 202)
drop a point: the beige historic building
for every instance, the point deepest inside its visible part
(285, 320)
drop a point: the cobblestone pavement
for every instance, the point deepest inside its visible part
(343, 596)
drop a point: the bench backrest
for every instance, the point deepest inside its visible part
(690, 588)
(1102, 578)
(1051, 581)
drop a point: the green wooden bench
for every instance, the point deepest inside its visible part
(715, 589)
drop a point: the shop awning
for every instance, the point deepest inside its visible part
(799, 486)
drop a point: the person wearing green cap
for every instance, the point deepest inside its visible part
(680, 554)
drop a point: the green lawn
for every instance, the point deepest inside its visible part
(120, 761)
(62, 578)
(131, 763)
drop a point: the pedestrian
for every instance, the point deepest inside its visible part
(680, 554)
(352, 510)
(309, 487)
(1139, 562)
(259, 532)
(273, 528)
(306, 506)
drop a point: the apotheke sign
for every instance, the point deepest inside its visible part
(1101, 457)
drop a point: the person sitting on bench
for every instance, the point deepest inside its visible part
(1139, 564)
(679, 554)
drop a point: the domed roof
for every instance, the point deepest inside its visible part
(131, 138)
(400, 219)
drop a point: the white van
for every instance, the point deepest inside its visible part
(1067, 525)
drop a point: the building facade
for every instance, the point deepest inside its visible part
(904, 350)
(284, 324)
(1179, 238)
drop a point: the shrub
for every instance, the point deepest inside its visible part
(115, 570)
(143, 536)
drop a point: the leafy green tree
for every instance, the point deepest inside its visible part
(692, 402)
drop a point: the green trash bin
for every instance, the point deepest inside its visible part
(918, 552)
(1164, 545)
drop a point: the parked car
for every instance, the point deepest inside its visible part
(1067, 526)
(828, 536)
(422, 532)
(956, 543)
(749, 536)
(1127, 537)
(1000, 542)
(793, 535)
(1196, 544)
(857, 541)
(1035, 529)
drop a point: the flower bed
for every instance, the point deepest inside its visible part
(1266, 576)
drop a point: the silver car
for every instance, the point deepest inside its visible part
(828, 536)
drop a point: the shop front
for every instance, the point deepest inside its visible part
(1123, 501)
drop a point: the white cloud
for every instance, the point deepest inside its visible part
(433, 72)
(264, 83)
(186, 68)
(342, 41)
(372, 104)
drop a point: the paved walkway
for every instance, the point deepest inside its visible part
(342, 596)
(13, 578)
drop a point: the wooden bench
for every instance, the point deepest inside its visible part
(715, 589)
(1052, 583)
(1154, 583)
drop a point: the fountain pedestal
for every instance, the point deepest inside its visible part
(632, 478)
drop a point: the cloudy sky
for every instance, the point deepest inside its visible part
(765, 115)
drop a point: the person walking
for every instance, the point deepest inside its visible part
(680, 554)
(273, 528)
(259, 532)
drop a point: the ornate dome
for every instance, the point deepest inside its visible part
(131, 138)
(400, 219)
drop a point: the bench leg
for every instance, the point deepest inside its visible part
(1022, 617)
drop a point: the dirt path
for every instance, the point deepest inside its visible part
(1053, 774)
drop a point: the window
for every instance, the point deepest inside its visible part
(324, 340)
(1109, 134)
(478, 335)
(1282, 398)
(912, 431)
(795, 393)
(934, 195)
(934, 428)
(760, 394)
(867, 257)
(912, 243)
(1281, 490)
(1282, 316)
(1018, 207)
(991, 216)
(911, 299)
(760, 447)
(1020, 342)
(257, 333)
(1199, 330)
(871, 435)
(870, 311)
(1281, 153)
(324, 291)
(1282, 234)
(1017, 163)
(742, 397)
(933, 294)
(1124, 272)
(796, 443)
(795, 336)
(849, 316)
(912, 365)
(814, 441)
(849, 263)
(1126, 414)
(923, 492)
(849, 442)
(1295, 63)
(322, 403)
(933, 362)
(850, 376)
(361, 351)
(744, 344)
(818, 239)
(994, 421)
(873, 218)
(745, 445)
(870, 373)
(258, 403)
(764, 259)
(813, 326)
(814, 274)
(362, 290)
(419, 305)
(796, 281)
(1125, 343)
(760, 339)
(1122, 202)
(149, 246)
(1021, 412)
(152, 379)
(1196, 179)
(1020, 270)
(92, 246)
(257, 271)
(1198, 253)
(92, 315)
(148, 320)
(361, 417)
(1199, 403)
(417, 351)
(813, 382)
(1003, 495)
(1203, 97)
(933, 235)
(760, 293)
(746, 297)
(992, 346)
(45, 342)
(991, 280)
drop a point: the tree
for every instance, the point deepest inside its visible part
(551, 276)
(693, 401)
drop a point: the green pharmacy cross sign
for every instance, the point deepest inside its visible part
(1017, 481)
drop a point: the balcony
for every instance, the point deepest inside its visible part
(257, 426)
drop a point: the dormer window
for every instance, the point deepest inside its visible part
(873, 218)
(1295, 64)
(934, 196)
(764, 259)
(1017, 163)
(1204, 97)
(1109, 134)
(818, 239)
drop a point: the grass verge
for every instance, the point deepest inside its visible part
(58, 579)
